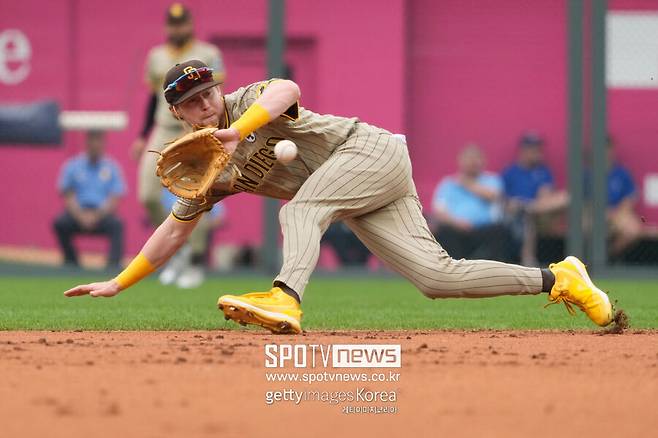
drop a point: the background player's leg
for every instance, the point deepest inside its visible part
(149, 187)
(199, 239)
(398, 234)
(369, 171)
(193, 273)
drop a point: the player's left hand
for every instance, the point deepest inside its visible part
(100, 289)
(229, 137)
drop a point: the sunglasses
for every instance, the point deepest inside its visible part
(191, 78)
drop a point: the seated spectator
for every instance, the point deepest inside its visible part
(624, 222)
(532, 198)
(468, 209)
(187, 267)
(91, 185)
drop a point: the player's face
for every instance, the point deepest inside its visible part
(179, 34)
(532, 155)
(471, 163)
(95, 142)
(203, 109)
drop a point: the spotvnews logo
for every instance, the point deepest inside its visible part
(335, 355)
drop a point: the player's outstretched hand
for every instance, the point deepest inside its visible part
(101, 289)
(229, 137)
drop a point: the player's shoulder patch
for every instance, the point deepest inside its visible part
(261, 86)
(292, 113)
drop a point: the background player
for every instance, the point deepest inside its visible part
(345, 170)
(180, 46)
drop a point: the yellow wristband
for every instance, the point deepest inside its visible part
(252, 119)
(139, 268)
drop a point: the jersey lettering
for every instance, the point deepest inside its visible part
(255, 170)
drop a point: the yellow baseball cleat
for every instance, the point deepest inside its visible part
(573, 285)
(274, 310)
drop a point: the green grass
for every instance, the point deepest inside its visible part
(38, 303)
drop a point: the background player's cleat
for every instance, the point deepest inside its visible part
(573, 285)
(176, 265)
(274, 310)
(191, 277)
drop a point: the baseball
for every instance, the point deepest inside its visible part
(285, 151)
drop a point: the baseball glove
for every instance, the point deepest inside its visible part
(189, 165)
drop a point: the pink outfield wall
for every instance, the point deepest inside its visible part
(445, 72)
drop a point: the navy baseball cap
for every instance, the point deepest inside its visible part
(531, 138)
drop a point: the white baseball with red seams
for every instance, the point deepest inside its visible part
(285, 151)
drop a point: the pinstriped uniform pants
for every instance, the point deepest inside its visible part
(367, 183)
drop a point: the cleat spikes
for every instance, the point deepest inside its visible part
(273, 310)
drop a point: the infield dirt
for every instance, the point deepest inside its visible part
(213, 383)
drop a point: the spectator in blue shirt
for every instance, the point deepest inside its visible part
(468, 209)
(625, 224)
(91, 186)
(531, 196)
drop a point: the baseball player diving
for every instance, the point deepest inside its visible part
(345, 170)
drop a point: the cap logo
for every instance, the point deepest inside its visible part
(192, 73)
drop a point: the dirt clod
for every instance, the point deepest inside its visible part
(620, 322)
